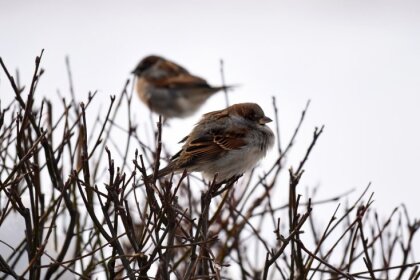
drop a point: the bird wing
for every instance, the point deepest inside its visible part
(183, 81)
(172, 68)
(209, 147)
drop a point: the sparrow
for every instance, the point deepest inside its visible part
(170, 90)
(227, 142)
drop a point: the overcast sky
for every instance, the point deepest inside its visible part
(358, 61)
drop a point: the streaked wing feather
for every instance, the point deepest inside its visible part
(183, 81)
(229, 143)
(210, 147)
(173, 68)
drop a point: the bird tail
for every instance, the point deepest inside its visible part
(227, 88)
(170, 168)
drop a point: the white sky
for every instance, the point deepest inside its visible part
(358, 61)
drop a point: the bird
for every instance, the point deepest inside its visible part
(170, 90)
(226, 142)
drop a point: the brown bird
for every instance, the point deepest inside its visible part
(169, 89)
(228, 142)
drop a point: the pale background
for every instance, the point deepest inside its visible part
(358, 61)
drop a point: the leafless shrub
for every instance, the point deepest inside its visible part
(87, 209)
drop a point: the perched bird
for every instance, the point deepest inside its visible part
(169, 89)
(228, 142)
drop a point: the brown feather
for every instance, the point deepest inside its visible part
(209, 147)
(172, 68)
(180, 81)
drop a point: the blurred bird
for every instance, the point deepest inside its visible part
(228, 142)
(169, 89)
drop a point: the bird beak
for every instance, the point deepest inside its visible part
(265, 120)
